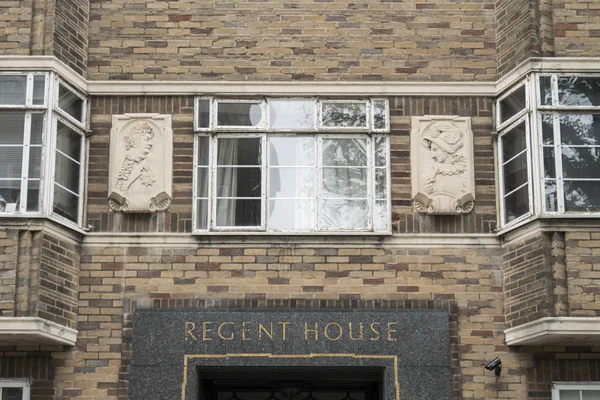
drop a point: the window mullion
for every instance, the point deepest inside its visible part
(371, 171)
(25, 162)
(558, 162)
(501, 179)
(29, 90)
(213, 172)
(263, 180)
(81, 180)
(319, 180)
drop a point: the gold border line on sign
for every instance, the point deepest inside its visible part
(188, 357)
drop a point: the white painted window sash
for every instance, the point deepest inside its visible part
(557, 387)
(81, 124)
(25, 384)
(503, 124)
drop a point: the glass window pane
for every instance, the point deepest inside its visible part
(239, 114)
(39, 89)
(11, 159)
(292, 215)
(235, 212)
(203, 143)
(380, 183)
(291, 182)
(13, 126)
(581, 162)
(35, 162)
(13, 89)
(33, 195)
(545, 90)
(550, 196)
(379, 114)
(70, 103)
(515, 173)
(66, 173)
(549, 163)
(578, 91)
(202, 214)
(548, 129)
(580, 129)
(344, 152)
(516, 204)
(569, 395)
(381, 215)
(292, 114)
(590, 394)
(65, 203)
(37, 128)
(239, 151)
(512, 104)
(238, 182)
(202, 189)
(292, 150)
(68, 141)
(12, 393)
(582, 196)
(203, 113)
(344, 182)
(344, 214)
(514, 142)
(10, 194)
(344, 114)
(380, 151)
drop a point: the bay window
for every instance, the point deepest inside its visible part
(299, 166)
(41, 146)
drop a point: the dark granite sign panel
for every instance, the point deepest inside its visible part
(411, 347)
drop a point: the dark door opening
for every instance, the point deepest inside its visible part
(285, 383)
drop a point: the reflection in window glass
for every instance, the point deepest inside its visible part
(203, 113)
(13, 89)
(545, 90)
(379, 114)
(239, 114)
(578, 91)
(39, 89)
(292, 114)
(344, 114)
(512, 104)
(580, 129)
(70, 103)
(12, 393)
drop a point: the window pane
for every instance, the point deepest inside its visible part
(65, 203)
(203, 143)
(580, 129)
(239, 114)
(33, 195)
(578, 91)
(13, 89)
(12, 393)
(10, 162)
(545, 90)
(549, 163)
(551, 198)
(238, 182)
(569, 395)
(292, 114)
(344, 214)
(344, 115)
(292, 215)
(66, 173)
(203, 113)
(344, 182)
(380, 151)
(37, 128)
(70, 103)
(548, 129)
(234, 212)
(516, 204)
(202, 189)
(581, 162)
(39, 88)
(292, 150)
(512, 104)
(515, 173)
(590, 394)
(582, 196)
(10, 192)
(68, 141)
(381, 216)
(13, 126)
(202, 214)
(380, 183)
(291, 182)
(239, 151)
(514, 142)
(35, 162)
(344, 152)
(379, 114)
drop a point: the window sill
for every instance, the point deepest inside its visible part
(22, 219)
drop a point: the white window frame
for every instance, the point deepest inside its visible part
(503, 124)
(18, 383)
(368, 116)
(261, 126)
(557, 387)
(84, 112)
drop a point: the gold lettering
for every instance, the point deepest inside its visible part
(315, 331)
(205, 330)
(360, 331)
(326, 330)
(189, 330)
(390, 331)
(245, 330)
(220, 332)
(283, 329)
(262, 329)
(375, 331)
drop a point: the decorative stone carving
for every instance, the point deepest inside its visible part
(141, 157)
(443, 179)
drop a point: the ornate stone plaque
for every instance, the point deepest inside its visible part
(443, 179)
(141, 157)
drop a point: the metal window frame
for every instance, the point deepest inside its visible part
(260, 127)
(82, 124)
(17, 383)
(557, 387)
(197, 127)
(501, 125)
(343, 129)
(293, 130)
(386, 101)
(28, 91)
(195, 197)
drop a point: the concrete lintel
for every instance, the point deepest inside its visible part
(34, 330)
(566, 331)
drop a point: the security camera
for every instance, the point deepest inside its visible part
(495, 365)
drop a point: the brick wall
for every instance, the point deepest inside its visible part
(583, 263)
(15, 27)
(38, 365)
(305, 40)
(576, 28)
(71, 33)
(8, 271)
(179, 216)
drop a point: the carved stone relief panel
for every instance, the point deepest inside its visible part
(443, 179)
(141, 159)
